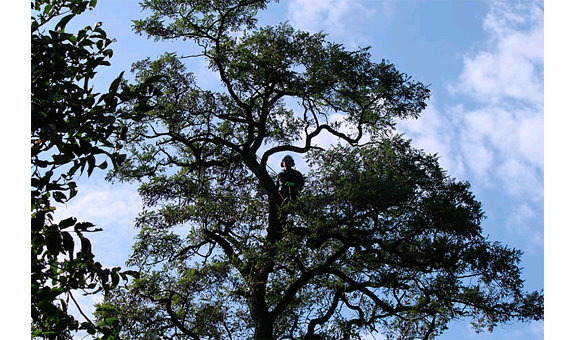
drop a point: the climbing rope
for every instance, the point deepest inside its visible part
(226, 303)
(236, 223)
(267, 166)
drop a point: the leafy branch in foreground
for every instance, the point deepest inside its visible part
(74, 131)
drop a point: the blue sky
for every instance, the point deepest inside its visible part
(484, 63)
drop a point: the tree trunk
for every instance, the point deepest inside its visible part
(264, 331)
(259, 311)
(264, 323)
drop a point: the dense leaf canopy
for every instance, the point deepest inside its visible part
(381, 239)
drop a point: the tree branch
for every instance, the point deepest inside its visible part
(175, 319)
(430, 329)
(321, 320)
(309, 138)
(360, 287)
(304, 279)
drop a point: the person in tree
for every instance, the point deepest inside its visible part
(289, 180)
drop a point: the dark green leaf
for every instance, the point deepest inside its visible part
(70, 221)
(103, 165)
(59, 196)
(116, 83)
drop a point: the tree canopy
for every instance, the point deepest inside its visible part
(381, 239)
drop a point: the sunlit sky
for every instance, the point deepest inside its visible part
(483, 62)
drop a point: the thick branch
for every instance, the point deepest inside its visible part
(305, 277)
(321, 320)
(360, 287)
(229, 251)
(266, 107)
(227, 81)
(309, 138)
(175, 319)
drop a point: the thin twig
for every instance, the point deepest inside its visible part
(80, 309)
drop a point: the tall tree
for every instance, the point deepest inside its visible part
(380, 239)
(73, 131)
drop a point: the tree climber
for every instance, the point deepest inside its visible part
(289, 180)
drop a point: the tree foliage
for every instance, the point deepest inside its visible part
(380, 240)
(73, 131)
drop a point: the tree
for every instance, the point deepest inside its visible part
(73, 131)
(381, 239)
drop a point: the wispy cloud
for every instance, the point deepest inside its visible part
(511, 66)
(500, 140)
(507, 78)
(520, 222)
(494, 137)
(505, 144)
(112, 208)
(435, 132)
(341, 18)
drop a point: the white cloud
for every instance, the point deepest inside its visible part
(480, 160)
(512, 65)
(502, 140)
(520, 180)
(520, 215)
(435, 132)
(309, 15)
(521, 222)
(112, 208)
(505, 143)
(498, 144)
(529, 137)
(537, 328)
(341, 18)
